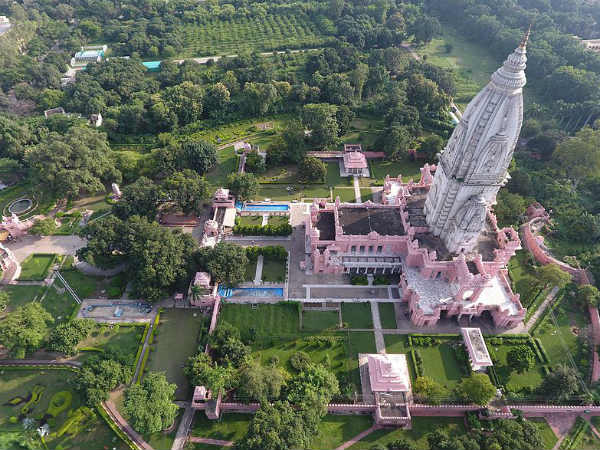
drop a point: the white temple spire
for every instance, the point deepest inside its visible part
(474, 163)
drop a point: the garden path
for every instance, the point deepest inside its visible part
(111, 410)
(259, 268)
(184, 428)
(536, 315)
(145, 347)
(209, 441)
(358, 437)
(379, 342)
(39, 362)
(356, 189)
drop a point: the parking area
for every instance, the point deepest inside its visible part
(115, 311)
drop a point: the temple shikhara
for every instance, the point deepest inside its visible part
(440, 233)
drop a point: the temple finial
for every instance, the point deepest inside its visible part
(523, 43)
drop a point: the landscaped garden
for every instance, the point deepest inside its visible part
(229, 427)
(387, 315)
(31, 398)
(36, 266)
(124, 338)
(357, 315)
(174, 341)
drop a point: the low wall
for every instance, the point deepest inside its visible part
(335, 408)
(239, 407)
(418, 410)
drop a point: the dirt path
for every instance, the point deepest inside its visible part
(111, 410)
(536, 315)
(218, 442)
(379, 341)
(184, 428)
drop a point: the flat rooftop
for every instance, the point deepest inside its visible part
(364, 220)
(326, 225)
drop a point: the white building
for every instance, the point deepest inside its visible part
(473, 166)
(4, 24)
(479, 356)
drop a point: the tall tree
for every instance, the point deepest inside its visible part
(200, 156)
(226, 263)
(477, 389)
(187, 189)
(139, 198)
(312, 169)
(24, 329)
(76, 162)
(149, 405)
(560, 384)
(243, 185)
(579, 156)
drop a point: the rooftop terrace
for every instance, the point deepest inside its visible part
(364, 220)
(326, 225)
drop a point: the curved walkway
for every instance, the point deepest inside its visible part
(112, 412)
(219, 442)
(358, 437)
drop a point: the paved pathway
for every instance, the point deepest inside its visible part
(259, 268)
(379, 341)
(62, 245)
(356, 189)
(39, 362)
(111, 410)
(145, 347)
(184, 428)
(536, 315)
(218, 442)
(358, 437)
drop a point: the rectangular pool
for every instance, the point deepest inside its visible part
(251, 292)
(262, 207)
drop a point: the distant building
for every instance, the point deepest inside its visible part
(592, 44)
(152, 66)
(87, 55)
(96, 120)
(4, 24)
(355, 161)
(479, 357)
(54, 111)
(201, 293)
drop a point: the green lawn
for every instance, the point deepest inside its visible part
(345, 194)
(405, 167)
(36, 266)
(273, 270)
(267, 320)
(440, 363)
(84, 285)
(13, 383)
(513, 380)
(250, 220)
(523, 282)
(571, 320)
(335, 430)
(177, 339)
(472, 63)
(279, 192)
(61, 306)
(126, 339)
(333, 176)
(230, 427)
(250, 271)
(421, 426)
(549, 439)
(160, 440)
(319, 320)
(278, 220)
(387, 315)
(226, 165)
(357, 315)
(20, 295)
(366, 194)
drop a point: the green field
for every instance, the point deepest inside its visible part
(421, 426)
(260, 33)
(273, 270)
(335, 430)
(36, 266)
(387, 315)
(346, 194)
(549, 439)
(357, 315)
(126, 339)
(61, 306)
(20, 295)
(513, 380)
(405, 167)
(472, 63)
(92, 433)
(279, 192)
(226, 165)
(440, 363)
(84, 285)
(523, 280)
(319, 320)
(177, 339)
(229, 427)
(267, 320)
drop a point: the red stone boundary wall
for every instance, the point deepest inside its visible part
(531, 243)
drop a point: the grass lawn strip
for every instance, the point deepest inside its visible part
(36, 266)
(357, 315)
(387, 315)
(175, 339)
(549, 439)
(421, 426)
(20, 295)
(335, 430)
(319, 320)
(440, 363)
(273, 270)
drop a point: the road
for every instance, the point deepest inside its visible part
(408, 47)
(215, 58)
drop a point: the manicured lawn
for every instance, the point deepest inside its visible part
(366, 194)
(345, 194)
(61, 306)
(226, 164)
(513, 380)
(273, 270)
(387, 315)
(440, 363)
(250, 220)
(524, 283)
(319, 320)
(126, 340)
(279, 192)
(13, 383)
(421, 426)
(36, 266)
(230, 427)
(250, 271)
(281, 174)
(548, 437)
(357, 315)
(278, 220)
(267, 320)
(472, 63)
(571, 321)
(333, 176)
(84, 285)
(20, 295)
(177, 339)
(335, 430)
(407, 168)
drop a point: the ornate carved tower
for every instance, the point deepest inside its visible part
(473, 165)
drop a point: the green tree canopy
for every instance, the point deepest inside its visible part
(429, 389)
(202, 371)
(187, 190)
(579, 156)
(226, 262)
(74, 163)
(260, 383)
(312, 169)
(200, 156)
(24, 329)
(243, 185)
(149, 405)
(65, 337)
(521, 358)
(139, 198)
(552, 275)
(560, 384)
(477, 389)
